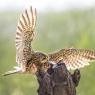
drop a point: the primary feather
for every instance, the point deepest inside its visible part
(73, 58)
(24, 37)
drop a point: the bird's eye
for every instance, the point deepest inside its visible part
(43, 60)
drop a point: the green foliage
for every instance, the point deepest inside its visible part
(55, 30)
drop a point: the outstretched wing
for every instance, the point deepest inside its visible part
(73, 58)
(24, 35)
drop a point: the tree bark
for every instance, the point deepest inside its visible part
(58, 81)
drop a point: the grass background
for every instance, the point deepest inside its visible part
(54, 31)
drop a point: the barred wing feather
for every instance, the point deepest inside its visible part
(24, 36)
(74, 58)
(25, 33)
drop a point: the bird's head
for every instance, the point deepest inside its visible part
(41, 57)
(41, 61)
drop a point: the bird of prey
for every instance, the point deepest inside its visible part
(30, 61)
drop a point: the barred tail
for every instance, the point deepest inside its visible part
(17, 70)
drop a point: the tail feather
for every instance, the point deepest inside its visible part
(17, 70)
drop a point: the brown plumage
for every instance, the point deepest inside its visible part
(27, 59)
(73, 58)
(30, 61)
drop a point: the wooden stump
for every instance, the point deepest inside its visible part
(58, 81)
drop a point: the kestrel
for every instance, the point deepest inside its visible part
(30, 61)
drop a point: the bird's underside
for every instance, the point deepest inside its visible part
(29, 60)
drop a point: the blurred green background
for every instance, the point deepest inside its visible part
(54, 31)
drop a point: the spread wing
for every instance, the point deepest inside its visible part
(73, 58)
(25, 34)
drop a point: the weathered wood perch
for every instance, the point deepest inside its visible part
(58, 81)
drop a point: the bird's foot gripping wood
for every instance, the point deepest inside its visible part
(58, 81)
